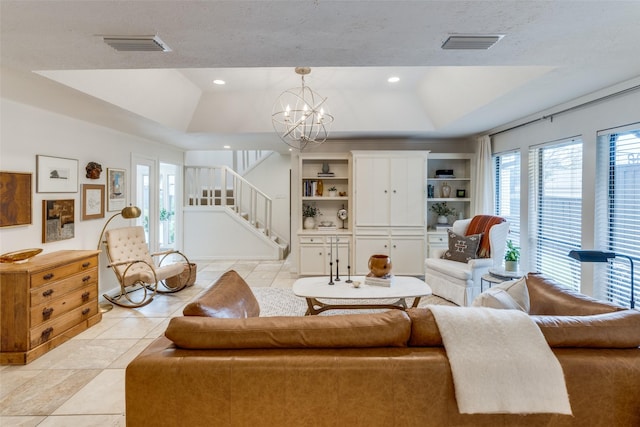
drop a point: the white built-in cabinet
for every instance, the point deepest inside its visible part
(316, 247)
(461, 197)
(389, 209)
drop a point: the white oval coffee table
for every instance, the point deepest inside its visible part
(312, 288)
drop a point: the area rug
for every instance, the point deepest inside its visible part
(283, 302)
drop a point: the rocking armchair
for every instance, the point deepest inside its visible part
(136, 270)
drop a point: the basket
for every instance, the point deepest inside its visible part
(180, 278)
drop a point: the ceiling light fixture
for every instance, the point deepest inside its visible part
(300, 115)
(393, 79)
(219, 82)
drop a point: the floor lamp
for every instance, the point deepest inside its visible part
(601, 256)
(129, 212)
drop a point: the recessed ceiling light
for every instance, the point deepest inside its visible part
(393, 79)
(219, 82)
(227, 146)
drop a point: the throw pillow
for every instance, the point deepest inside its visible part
(462, 248)
(512, 295)
(518, 291)
(496, 298)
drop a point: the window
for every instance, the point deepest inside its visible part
(555, 209)
(617, 210)
(507, 194)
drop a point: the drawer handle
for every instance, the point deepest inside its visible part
(85, 297)
(86, 278)
(46, 333)
(47, 293)
(48, 276)
(46, 313)
(86, 311)
(86, 264)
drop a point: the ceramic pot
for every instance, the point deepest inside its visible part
(445, 190)
(309, 223)
(442, 219)
(379, 265)
(511, 266)
(333, 193)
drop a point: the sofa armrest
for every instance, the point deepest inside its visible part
(481, 263)
(229, 297)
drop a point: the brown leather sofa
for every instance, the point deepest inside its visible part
(220, 365)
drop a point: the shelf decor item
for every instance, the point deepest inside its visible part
(380, 265)
(300, 115)
(445, 190)
(309, 212)
(443, 211)
(333, 191)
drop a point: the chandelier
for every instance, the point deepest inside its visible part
(300, 116)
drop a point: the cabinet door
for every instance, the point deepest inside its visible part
(407, 255)
(313, 260)
(371, 191)
(367, 246)
(407, 191)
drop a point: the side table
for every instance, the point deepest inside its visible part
(498, 275)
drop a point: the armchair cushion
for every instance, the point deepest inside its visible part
(462, 248)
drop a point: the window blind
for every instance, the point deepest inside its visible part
(507, 194)
(617, 211)
(555, 209)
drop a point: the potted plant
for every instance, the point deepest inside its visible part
(333, 191)
(511, 257)
(309, 212)
(443, 211)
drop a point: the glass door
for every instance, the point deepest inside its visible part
(167, 206)
(145, 198)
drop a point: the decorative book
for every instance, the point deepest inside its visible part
(385, 281)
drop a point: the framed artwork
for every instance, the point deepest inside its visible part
(58, 220)
(92, 201)
(56, 175)
(461, 193)
(15, 199)
(116, 189)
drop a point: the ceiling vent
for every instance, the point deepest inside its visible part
(483, 42)
(136, 43)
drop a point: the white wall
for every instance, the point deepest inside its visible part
(27, 131)
(583, 122)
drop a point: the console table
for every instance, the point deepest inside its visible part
(45, 302)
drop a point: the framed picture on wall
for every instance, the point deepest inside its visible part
(15, 199)
(116, 189)
(58, 220)
(56, 175)
(92, 201)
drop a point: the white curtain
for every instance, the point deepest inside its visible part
(485, 185)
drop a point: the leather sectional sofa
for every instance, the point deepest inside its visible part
(221, 365)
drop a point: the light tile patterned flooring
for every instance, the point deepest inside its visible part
(81, 382)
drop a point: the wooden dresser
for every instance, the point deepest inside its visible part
(45, 302)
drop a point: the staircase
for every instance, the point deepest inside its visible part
(221, 187)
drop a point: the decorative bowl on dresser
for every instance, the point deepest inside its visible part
(45, 302)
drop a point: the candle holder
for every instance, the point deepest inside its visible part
(331, 261)
(348, 274)
(337, 268)
(348, 263)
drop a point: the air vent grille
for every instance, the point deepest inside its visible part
(471, 42)
(136, 43)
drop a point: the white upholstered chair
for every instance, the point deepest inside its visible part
(459, 282)
(136, 270)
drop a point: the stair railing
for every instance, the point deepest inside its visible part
(221, 186)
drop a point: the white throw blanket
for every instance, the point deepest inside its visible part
(500, 362)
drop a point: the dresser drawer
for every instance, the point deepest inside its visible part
(44, 332)
(57, 273)
(54, 309)
(306, 240)
(55, 290)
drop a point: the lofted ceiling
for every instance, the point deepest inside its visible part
(53, 56)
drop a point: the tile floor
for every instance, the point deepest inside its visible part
(81, 382)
